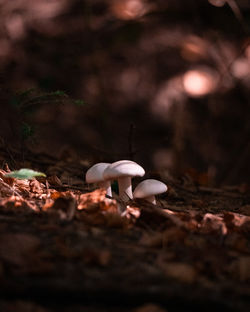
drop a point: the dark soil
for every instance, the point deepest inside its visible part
(64, 248)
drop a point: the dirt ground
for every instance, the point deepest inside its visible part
(64, 247)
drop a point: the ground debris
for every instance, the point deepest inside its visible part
(61, 239)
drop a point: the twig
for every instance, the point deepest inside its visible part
(10, 188)
(236, 10)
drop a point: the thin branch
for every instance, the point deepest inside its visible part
(237, 12)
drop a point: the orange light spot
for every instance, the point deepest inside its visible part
(128, 9)
(193, 48)
(168, 95)
(240, 68)
(199, 82)
(47, 9)
(15, 26)
(129, 79)
(163, 159)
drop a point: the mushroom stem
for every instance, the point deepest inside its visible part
(151, 199)
(107, 186)
(125, 188)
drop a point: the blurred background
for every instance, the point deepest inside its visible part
(165, 83)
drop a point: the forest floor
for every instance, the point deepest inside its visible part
(64, 247)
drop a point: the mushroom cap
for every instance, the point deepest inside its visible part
(123, 168)
(149, 187)
(95, 173)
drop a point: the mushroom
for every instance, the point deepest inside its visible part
(123, 171)
(95, 175)
(148, 189)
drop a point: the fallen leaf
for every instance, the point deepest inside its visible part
(54, 181)
(96, 200)
(64, 208)
(17, 204)
(7, 180)
(212, 223)
(36, 187)
(245, 210)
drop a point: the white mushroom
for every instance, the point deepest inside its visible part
(95, 175)
(148, 189)
(123, 171)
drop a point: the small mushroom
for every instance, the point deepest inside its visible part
(123, 171)
(148, 189)
(95, 175)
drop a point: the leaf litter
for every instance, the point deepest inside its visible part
(70, 241)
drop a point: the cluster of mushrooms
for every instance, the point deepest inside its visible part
(123, 171)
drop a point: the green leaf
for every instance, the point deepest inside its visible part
(24, 174)
(79, 102)
(27, 131)
(58, 93)
(21, 96)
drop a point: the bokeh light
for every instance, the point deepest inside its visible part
(193, 49)
(241, 68)
(217, 3)
(129, 9)
(167, 97)
(199, 82)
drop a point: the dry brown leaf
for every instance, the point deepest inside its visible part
(96, 200)
(36, 187)
(17, 204)
(234, 221)
(7, 180)
(63, 208)
(6, 190)
(48, 204)
(156, 217)
(132, 212)
(212, 223)
(55, 194)
(54, 181)
(245, 210)
(22, 184)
